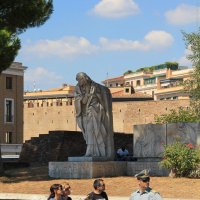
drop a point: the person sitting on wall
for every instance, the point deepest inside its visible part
(122, 154)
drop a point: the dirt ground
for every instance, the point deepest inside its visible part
(35, 180)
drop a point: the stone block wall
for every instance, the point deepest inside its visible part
(59, 145)
(149, 139)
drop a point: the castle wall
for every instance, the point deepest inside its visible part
(42, 118)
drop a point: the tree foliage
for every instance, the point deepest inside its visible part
(15, 18)
(172, 65)
(128, 72)
(192, 41)
(9, 45)
(180, 115)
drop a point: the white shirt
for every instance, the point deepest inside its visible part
(122, 153)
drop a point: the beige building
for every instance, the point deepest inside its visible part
(172, 87)
(161, 84)
(11, 104)
(114, 82)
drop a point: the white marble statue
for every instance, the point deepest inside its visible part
(93, 104)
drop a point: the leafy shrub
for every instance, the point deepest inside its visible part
(181, 159)
(180, 115)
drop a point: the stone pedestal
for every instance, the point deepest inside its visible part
(86, 170)
(88, 159)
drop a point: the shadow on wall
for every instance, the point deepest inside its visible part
(59, 145)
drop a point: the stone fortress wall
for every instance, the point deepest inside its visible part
(42, 117)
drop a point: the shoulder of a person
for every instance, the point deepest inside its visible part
(104, 193)
(119, 150)
(90, 195)
(154, 191)
(135, 192)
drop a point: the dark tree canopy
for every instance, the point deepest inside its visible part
(9, 45)
(15, 18)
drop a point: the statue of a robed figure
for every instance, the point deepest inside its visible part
(93, 104)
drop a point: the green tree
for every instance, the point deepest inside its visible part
(172, 65)
(180, 115)
(15, 18)
(128, 72)
(9, 46)
(192, 41)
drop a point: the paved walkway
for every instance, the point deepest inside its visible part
(17, 196)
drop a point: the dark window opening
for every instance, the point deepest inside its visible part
(8, 82)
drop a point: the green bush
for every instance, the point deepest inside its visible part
(180, 115)
(181, 159)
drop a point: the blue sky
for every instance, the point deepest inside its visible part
(105, 38)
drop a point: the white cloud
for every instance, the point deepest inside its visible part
(183, 60)
(159, 39)
(154, 40)
(121, 45)
(115, 8)
(41, 78)
(183, 15)
(75, 46)
(67, 46)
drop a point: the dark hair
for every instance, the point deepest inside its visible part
(52, 188)
(97, 183)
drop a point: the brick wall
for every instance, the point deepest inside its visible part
(42, 119)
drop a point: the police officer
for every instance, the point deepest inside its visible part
(144, 192)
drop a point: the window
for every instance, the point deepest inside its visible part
(9, 110)
(127, 90)
(138, 83)
(8, 137)
(8, 82)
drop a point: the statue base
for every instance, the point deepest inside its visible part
(85, 169)
(88, 159)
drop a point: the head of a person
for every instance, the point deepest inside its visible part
(66, 189)
(83, 79)
(143, 179)
(123, 148)
(99, 185)
(56, 190)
